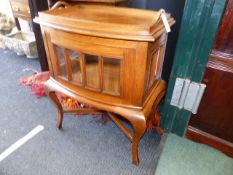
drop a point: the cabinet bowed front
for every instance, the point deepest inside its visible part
(109, 58)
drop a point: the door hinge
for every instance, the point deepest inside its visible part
(187, 94)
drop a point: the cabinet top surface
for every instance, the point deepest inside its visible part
(106, 21)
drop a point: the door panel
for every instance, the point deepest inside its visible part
(213, 124)
(215, 114)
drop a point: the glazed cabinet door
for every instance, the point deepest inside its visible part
(90, 67)
(92, 71)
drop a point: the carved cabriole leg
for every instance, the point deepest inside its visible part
(52, 95)
(139, 127)
(156, 117)
(138, 123)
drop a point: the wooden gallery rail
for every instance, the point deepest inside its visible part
(107, 57)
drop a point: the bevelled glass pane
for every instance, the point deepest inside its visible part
(61, 61)
(154, 71)
(92, 71)
(76, 66)
(111, 76)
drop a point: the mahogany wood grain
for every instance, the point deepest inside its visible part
(200, 136)
(216, 108)
(99, 55)
(221, 61)
(224, 39)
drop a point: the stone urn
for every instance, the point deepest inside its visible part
(23, 43)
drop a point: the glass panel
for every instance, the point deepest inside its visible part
(61, 61)
(154, 71)
(92, 71)
(76, 66)
(111, 75)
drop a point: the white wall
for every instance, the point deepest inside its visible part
(6, 9)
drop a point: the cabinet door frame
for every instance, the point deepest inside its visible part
(192, 51)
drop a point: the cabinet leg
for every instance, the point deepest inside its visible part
(139, 128)
(52, 95)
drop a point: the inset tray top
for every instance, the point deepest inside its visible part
(106, 21)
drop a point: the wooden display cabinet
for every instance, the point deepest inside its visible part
(109, 58)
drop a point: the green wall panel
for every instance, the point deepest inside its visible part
(198, 29)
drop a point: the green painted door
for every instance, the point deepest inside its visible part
(198, 29)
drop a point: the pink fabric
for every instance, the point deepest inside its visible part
(36, 83)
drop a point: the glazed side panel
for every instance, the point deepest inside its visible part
(155, 58)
